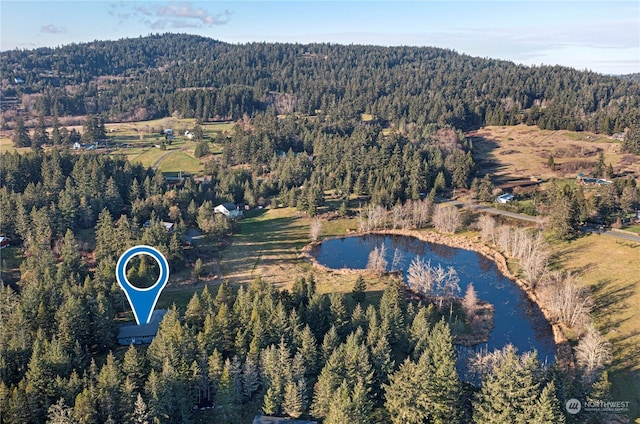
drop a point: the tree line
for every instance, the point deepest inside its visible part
(192, 76)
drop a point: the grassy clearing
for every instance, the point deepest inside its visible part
(269, 244)
(147, 132)
(149, 156)
(614, 279)
(6, 145)
(521, 151)
(217, 127)
(180, 161)
(366, 117)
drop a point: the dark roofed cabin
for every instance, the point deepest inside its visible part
(141, 334)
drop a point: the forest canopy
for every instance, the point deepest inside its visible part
(196, 77)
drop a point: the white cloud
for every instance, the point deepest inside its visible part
(52, 29)
(172, 15)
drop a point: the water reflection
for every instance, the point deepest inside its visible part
(517, 320)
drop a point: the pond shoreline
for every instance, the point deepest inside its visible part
(564, 355)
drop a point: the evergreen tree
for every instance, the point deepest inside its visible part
(40, 135)
(308, 351)
(56, 135)
(338, 312)
(509, 392)
(134, 367)
(198, 269)
(358, 292)
(250, 379)
(21, 136)
(442, 387)
(547, 409)
(563, 212)
(109, 385)
(599, 169)
(295, 399)
(401, 396)
(226, 396)
(140, 414)
(202, 149)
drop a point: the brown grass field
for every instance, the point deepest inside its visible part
(269, 245)
(519, 152)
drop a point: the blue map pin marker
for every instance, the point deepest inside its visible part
(142, 301)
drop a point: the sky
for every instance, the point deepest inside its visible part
(599, 36)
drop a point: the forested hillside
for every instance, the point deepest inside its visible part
(161, 75)
(344, 136)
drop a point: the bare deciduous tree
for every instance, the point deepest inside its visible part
(376, 216)
(446, 283)
(446, 218)
(487, 228)
(470, 303)
(566, 298)
(534, 255)
(419, 277)
(397, 259)
(504, 238)
(530, 248)
(377, 260)
(397, 216)
(433, 281)
(314, 229)
(592, 353)
(422, 211)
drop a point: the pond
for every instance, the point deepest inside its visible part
(517, 319)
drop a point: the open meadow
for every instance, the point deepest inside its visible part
(611, 269)
(520, 152)
(138, 140)
(269, 245)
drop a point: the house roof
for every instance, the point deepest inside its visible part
(144, 330)
(229, 206)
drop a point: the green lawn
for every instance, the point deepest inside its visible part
(633, 228)
(210, 129)
(587, 136)
(149, 156)
(6, 145)
(180, 161)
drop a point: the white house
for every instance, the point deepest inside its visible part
(167, 225)
(229, 210)
(188, 134)
(505, 198)
(77, 146)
